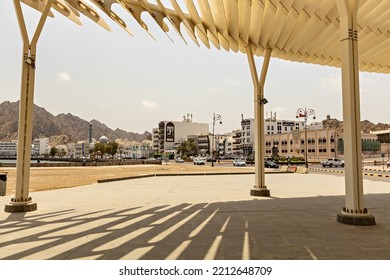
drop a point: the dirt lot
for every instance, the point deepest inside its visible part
(47, 178)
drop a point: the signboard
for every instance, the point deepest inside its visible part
(170, 132)
(288, 123)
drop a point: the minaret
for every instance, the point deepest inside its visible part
(90, 133)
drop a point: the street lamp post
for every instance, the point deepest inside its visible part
(305, 113)
(216, 117)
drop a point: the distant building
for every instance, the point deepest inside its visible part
(40, 146)
(135, 150)
(272, 126)
(383, 135)
(321, 143)
(172, 133)
(8, 149)
(203, 143)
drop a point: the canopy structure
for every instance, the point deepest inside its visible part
(323, 32)
(296, 30)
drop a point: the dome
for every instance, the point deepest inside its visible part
(103, 139)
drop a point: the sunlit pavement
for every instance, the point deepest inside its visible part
(198, 217)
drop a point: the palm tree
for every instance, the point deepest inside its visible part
(187, 148)
(192, 147)
(182, 148)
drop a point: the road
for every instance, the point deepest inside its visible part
(369, 172)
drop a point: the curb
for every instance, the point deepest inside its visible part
(365, 174)
(182, 174)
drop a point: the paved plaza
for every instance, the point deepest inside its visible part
(196, 218)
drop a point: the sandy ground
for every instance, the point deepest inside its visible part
(47, 178)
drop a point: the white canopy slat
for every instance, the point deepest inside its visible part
(297, 30)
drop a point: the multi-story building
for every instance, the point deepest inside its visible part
(202, 141)
(155, 140)
(321, 143)
(81, 149)
(135, 150)
(237, 151)
(40, 146)
(228, 144)
(172, 133)
(272, 126)
(8, 149)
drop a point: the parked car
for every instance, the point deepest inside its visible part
(332, 162)
(270, 164)
(239, 162)
(388, 163)
(199, 161)
(179, 160)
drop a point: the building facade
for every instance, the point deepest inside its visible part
(321, 143)
(40, 146)
(135, 150)
(172, 133)
(8, 149)
(272, 126)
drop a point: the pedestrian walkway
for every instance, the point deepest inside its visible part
(198, 217)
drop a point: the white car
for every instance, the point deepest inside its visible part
(332, 162)
(179, 160)
(239, 162)
(199, 161)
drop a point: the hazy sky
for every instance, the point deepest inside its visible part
(132, 83)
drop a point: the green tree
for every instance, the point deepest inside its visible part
(53, 151)
(100, 148)
(112, 148)
(187, 148)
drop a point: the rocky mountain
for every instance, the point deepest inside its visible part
(366, 125)
(60, 129)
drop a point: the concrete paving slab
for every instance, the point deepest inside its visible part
(198, 217)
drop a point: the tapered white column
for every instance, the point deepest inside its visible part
(22, 202)
(259, 189)
(353, 212)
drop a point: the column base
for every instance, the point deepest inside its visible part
(256, 191)
(20, 207)
(356, 220)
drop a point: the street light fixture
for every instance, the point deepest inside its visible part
(216, 117)
(305, 113)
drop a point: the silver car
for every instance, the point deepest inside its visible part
(239, 162)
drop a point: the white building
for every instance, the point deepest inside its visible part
(228, 144)
(172, 133)
(321, 143)
(8, 149)
(135, 150)
(40, 146)
(271, 126)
